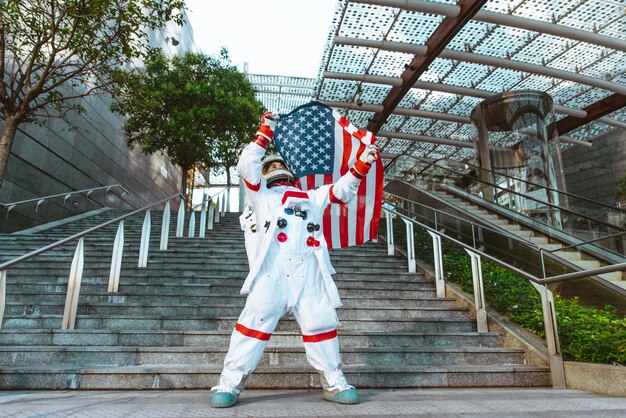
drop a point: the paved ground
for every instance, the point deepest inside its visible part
(374, 403)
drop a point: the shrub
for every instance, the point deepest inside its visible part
(587, 334)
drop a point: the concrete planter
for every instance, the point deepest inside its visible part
(597, 378)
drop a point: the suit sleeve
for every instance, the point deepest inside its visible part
(342, 191)
(249, 168)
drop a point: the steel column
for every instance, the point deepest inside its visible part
(211, 214)
(165, 228)
(73, 287)
(192, 224)
(3, 294)
(180, 222)
(552, 336)
(440, 282)
(202, 228)
(410, 246)
(116, 259)
(479, 294)
(390, 244)
(144, 246)
(217, 209)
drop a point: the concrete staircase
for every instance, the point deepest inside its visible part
(575, 257)
(169, 324)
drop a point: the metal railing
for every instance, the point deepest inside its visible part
(212, 207)
(578, 216)
(476, 251)
(40, 200)
(498, 177)
(76, 269)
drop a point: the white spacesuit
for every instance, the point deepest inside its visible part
(291, 270)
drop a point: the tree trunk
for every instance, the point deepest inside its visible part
(192, 187)
(6, 142)
(183, 184)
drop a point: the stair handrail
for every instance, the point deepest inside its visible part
(563, 192)
(73, 287)
(551, 205)
(590, 241)
(492, 173)
(540, 284)
(503, 232)
(10, 263)
(208, 214)
(222, 199)
(11, 205)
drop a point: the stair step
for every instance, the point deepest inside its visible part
(211, 300)
(380, 291)
(223, 323)
(169, 325)
(269, 377)
(11, 356)
(175, 311)
(189, 338)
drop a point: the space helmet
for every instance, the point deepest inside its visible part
(278, 174)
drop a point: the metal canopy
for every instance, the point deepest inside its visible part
(412, 71)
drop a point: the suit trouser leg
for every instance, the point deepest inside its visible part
(318, 322)
(264, 307)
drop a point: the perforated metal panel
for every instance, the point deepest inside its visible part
(518, 45)
(283, 94)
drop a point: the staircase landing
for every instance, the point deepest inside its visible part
(437, 403)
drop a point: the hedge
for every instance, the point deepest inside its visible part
(587, 334)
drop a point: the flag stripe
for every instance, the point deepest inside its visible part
(347, 150)
(378, 197)
(320, 146)
(344, 225)
(361, 208)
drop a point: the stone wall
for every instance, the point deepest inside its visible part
(89, 151)
(592, 172)
(92, 152)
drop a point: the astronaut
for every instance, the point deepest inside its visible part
(290, 272)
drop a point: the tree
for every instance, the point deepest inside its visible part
(54, 52)
(194, 108)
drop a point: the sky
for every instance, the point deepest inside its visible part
(274, 37)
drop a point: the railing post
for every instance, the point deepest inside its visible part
(202, 229)
(552, 336)
(440, 282)
(217, 209)
(73, 287)
(227, 203)
(144, 247)
(211, 214)
(410, 246)
(165, 228)
(192, 224)
(3, 294)
(116, 259)
(180, 223)
(390, 244)
(479, 294)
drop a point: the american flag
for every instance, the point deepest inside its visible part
(320, 145)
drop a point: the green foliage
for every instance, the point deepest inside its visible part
(587, 334)
(194, 108)
(620, 188)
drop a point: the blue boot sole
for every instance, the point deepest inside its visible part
(223, 400)
(348, 396)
